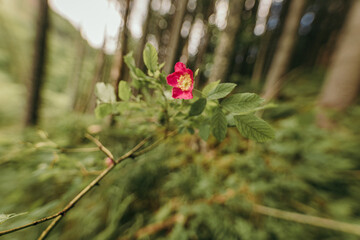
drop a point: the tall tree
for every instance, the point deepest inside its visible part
(118, 70)
(284, 50)
(98, 75)
(74, 84)
(38, 67)
(205, 39)
(142, 42)
(227, 40)
(343, 80)
(176, 24)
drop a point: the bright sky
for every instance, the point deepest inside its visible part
(96, 18)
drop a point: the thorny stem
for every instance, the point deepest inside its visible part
(58, 216)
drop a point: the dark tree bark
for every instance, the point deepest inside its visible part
(176, 24)
(284, 50)
(39, 64)
(343, 80)
(227, 40)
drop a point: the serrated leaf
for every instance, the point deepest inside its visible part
(242, 102)
(208, 88)
(221, 91)
(204, 131)
(150, 57)
(105, 92)
(254, 128)
(197, 107)
(219, 124)
(5, 217)
(124, 91)
(103, 110)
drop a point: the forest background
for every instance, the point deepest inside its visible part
(303, 56)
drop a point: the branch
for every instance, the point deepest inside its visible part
(310, 220)
(71, 204)
(101, 146)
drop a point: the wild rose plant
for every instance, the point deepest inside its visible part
(210, 110)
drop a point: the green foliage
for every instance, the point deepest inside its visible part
(105, 92)
(124, 91)
(219, 124)
(5, 217)
(208, 88)
(242, 102)
(254, 128)
(197, 107)
(150, 57)
(221, 91)
(104, 109)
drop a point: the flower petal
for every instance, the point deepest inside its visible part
(180, 67)
(180, 94)
(172, 79)
(190, 72)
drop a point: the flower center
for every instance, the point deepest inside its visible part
(184, 82)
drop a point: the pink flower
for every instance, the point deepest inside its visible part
(182, 80)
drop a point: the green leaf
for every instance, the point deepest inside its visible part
(221, 90)
(242, 102)
(219, 124)
(105, 92)
(161, 65)
(103, 110)
(150, 57)
(124, 91)
(254, 128)
(197, 107)
(208, 88)
(5, 217)
(130, 61)
(230, 120)
(119, 107)
(196, 73)
(204, 131)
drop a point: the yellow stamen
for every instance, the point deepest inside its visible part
(184, 82)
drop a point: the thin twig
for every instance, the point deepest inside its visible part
(260, 209)
(71, 204)
(101, 146)
(309, 220)
(29, 225)
(155, 144)
(46, 232)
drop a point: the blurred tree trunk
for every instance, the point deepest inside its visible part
(39, 65)
(99, 71)
(76, 75)
(117, 71)
(139, 59)
(227, 40)
(284, 50)
(260, 59)
(205, 39)
(176, 24)
(343, 80)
